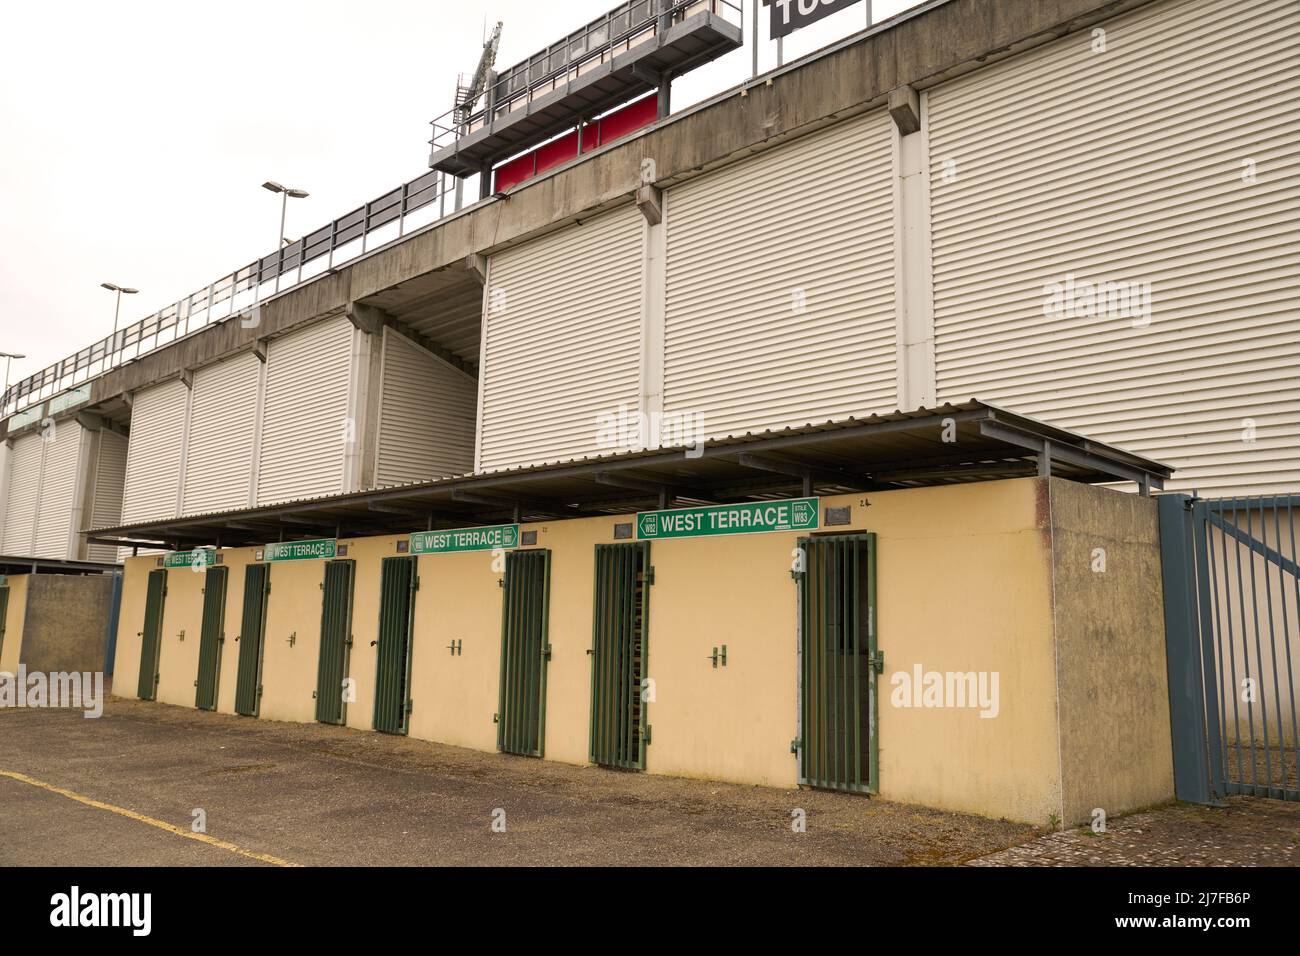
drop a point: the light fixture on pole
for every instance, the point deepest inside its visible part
(4, 394)
(121, 291)
(285, 195)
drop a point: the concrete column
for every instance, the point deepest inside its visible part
(913, 263)
(364, 402)
(83, 502)
(654, 292)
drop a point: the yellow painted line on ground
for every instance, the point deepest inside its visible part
(141, 818)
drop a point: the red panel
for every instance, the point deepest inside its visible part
(515, 172)
(616, 125)
(629, 119)
(558, 152)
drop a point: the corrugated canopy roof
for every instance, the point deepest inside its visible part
(970, 442)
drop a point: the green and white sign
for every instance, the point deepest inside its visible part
(302, 550)
(466, 539)
(201, 558)
(70, 399)
(758, 517)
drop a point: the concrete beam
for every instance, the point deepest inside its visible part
(367, 318)
(476, 264)
(650, 200)
(905, 109)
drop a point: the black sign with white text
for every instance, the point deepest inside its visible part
(791, 15)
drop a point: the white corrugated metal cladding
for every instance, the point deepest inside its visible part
(106, 501)
(426, 420)
(561, 341)
(24, 490)
(153, 461)
(779, 307)
(305, 429)
(59, 487)
(1161, 162)
(219, 451)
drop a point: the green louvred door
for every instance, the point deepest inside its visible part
(521, 712)
(839, 664)
(398, 584)
(151, 636)
(212, 638)
(4, 616)
(252, 639)
(620, 655)
(335, 642)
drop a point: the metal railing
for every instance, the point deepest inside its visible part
(378, 221)
(625, 27)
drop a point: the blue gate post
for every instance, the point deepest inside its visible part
(1183, 651)
(114, 611)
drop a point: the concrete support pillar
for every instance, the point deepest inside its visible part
(913, 264)
(364, 399)
(651, 404)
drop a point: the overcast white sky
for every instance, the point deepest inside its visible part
(137, 134)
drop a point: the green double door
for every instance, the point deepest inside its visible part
(252, 640)
(397, 587)
(4, 616)
(212, 638)
(151, 636)
(525, 651)
(335, 643)
(839, 663)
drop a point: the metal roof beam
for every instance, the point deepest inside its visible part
(1048, 451)
(810, 474)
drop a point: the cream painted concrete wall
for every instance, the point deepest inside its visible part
(15, 617)
(455, 697)
(289, 670)
(130, 624)
(964, 585)
(178, 659)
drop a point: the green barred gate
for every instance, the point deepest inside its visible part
(212, 638)
(252, 640)
(398, 584)
(838, 663)
(620, 655)
(151, 636)
(521, 715)
(335, 641)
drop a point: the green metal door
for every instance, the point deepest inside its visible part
(521, 715)
(212, 638)
(335, 642)
(252, 640)
(151, 636)
(398, 584)
(838, 663)
(620, 655)
(4, 617)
